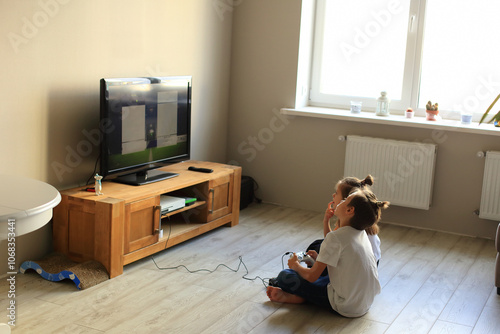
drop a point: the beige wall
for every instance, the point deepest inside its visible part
(297, 162)
(53, 54)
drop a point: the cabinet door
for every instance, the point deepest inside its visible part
(220, 197)
(142, 224)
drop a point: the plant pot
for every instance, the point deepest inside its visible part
(431, 114)
(466, 119)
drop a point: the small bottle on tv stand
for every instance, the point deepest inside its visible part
(98, 184)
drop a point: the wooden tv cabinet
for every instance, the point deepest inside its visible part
(125, 223)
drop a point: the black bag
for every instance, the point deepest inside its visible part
(248, 187)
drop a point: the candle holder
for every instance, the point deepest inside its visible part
(383, 105)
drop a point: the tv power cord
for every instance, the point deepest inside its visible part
(95, 170)
(241, 263)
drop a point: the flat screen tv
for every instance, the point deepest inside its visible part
(145, 124)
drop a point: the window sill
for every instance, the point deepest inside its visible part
(397, 120)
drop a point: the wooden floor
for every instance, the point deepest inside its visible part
(431, 283)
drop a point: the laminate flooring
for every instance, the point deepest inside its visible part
(432, 282)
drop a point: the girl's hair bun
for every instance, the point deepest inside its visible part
(383, 204)
(367, 181)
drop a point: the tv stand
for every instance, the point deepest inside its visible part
(144, 177)
(125, 224)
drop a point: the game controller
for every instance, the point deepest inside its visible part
(303, 257)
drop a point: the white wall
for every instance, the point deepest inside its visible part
(55, 51)
(297, 162)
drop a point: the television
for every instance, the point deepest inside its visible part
(145, 124)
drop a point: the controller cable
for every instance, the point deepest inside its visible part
(282, 263)
(266, 284)
(241, 263)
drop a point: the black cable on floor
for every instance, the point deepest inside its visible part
(241, 263)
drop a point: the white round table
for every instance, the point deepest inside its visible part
(25, 204)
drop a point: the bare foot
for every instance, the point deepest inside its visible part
(277, 295)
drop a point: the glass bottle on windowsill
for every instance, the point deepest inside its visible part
(383, 105)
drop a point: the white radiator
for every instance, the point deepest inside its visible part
(403, 171)
(490, 196)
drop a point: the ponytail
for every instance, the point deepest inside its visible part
(382, 204)
(367, 181)
(348, 184)
(373, 230)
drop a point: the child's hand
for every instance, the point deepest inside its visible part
(313, 254)
(330, 211)
(293, 261)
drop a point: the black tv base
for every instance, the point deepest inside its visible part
(141, 178)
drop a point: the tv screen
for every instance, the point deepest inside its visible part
(145, 124)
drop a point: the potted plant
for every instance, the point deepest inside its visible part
(496, 118)
(431, 110)
(409, 113)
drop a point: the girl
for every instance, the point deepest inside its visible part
(352, 281)
(343, 188)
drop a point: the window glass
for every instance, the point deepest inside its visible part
(363, 48)
(460, 64)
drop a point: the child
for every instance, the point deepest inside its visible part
(343, 188)
(352, 281)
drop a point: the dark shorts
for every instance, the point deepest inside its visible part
(316, 293)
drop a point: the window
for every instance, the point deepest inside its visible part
(417, 50)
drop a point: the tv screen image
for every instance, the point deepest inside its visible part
(148, 123)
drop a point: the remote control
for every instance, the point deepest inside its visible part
(201, 170)
(303, 257)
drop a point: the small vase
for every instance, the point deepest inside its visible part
(431, 114)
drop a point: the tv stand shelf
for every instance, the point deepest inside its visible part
(123, 225)
(190, 207)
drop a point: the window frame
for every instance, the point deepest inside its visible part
(411, 70)
(307, 75)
